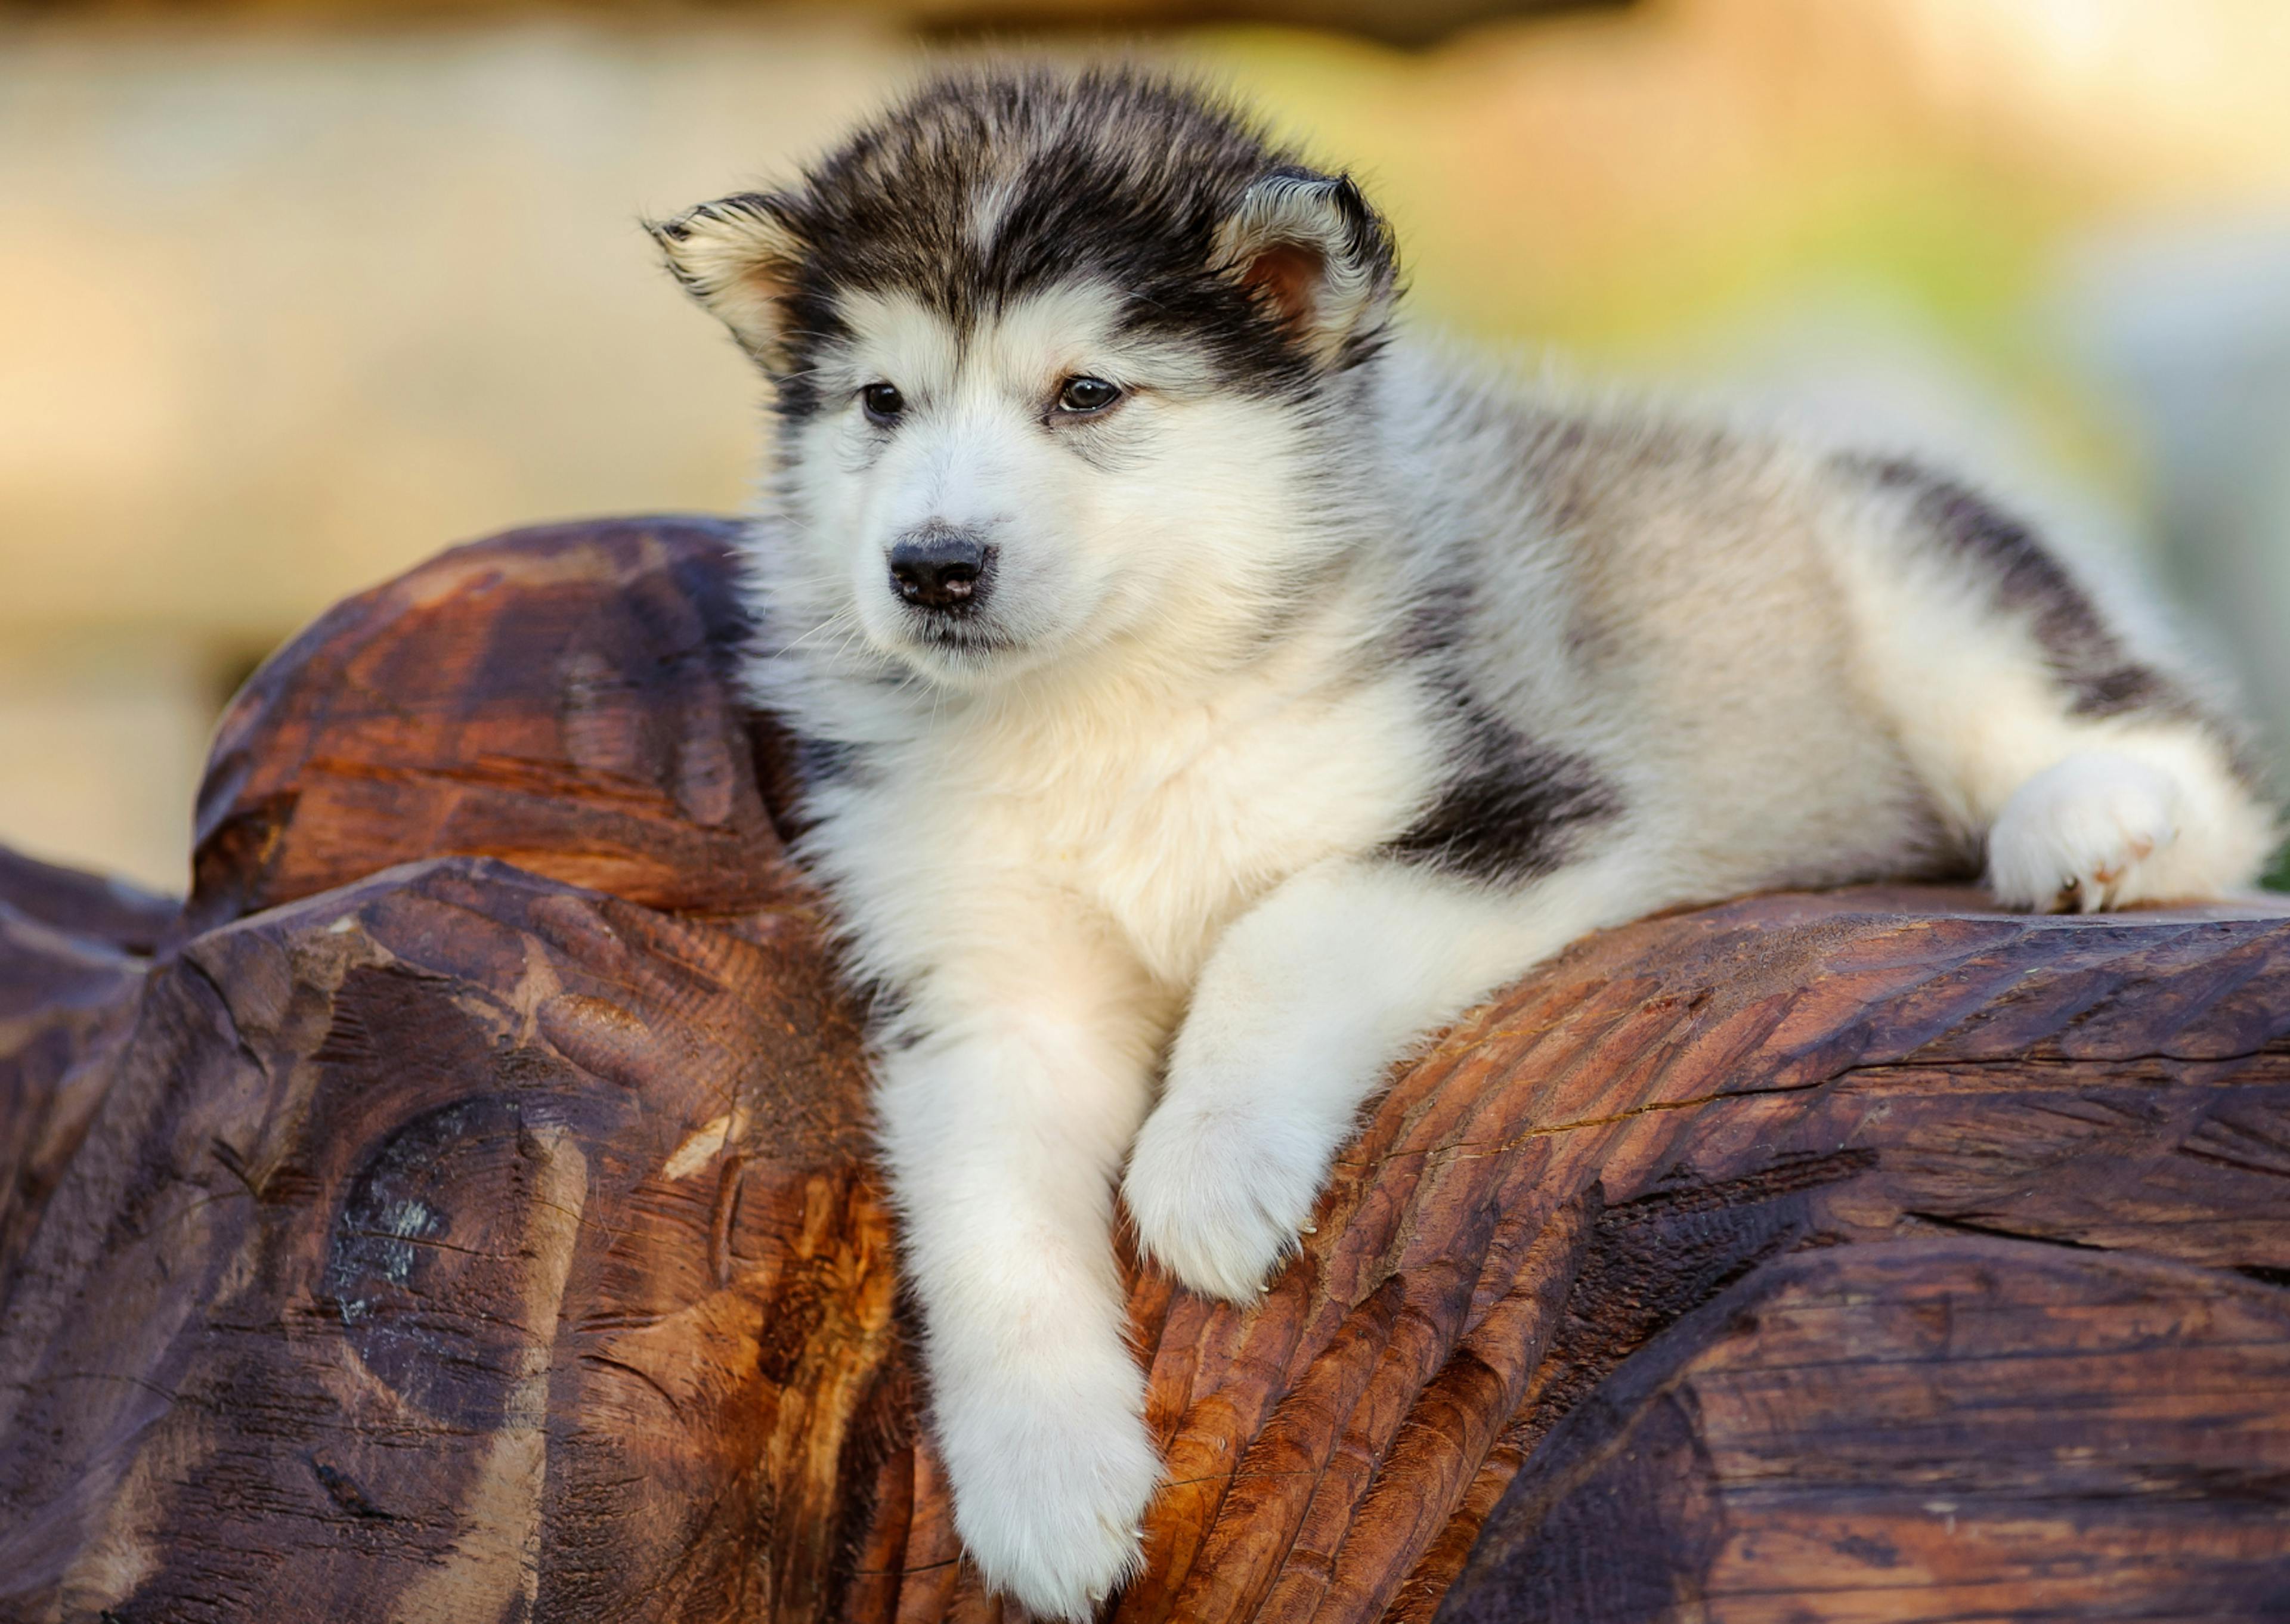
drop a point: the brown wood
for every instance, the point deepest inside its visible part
(108, 910)
(1934, 1429)
(468, 1218)
(555, 698)
(69, 968)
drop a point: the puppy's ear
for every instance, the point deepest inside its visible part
(1315, 258)
(737, 256)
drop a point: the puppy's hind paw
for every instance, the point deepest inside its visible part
(2084, 835)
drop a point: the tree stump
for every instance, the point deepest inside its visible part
(460, 1211)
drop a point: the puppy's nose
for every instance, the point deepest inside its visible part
(941, 567)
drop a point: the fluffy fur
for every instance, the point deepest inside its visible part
(1318, 686)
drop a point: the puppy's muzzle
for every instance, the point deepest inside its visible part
(940, 568)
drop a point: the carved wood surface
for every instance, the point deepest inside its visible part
(465, 1215)
(553, 697)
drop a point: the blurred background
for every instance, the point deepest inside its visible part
(294, 292)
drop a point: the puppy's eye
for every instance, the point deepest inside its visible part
(1086, 395)
(883, 401)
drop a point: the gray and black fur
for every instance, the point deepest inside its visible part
(1113, 175)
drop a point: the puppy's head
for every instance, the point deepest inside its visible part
(1044, 351)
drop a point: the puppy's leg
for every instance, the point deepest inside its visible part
(2040, 720)
(1006, 1099)
(2084, 812)
(1302, 1010)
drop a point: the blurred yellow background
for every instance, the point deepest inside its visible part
(292, 297)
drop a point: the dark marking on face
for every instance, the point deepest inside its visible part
(987, 186)
(1511, 810)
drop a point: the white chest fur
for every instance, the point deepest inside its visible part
(1163, 819)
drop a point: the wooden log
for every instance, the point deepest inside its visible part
(463, 1240)
(557, 698)
(70, 963)
(445, 1231)
(106, 910)
(1934, 1429)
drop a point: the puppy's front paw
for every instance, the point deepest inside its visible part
(2082, 836)
(1219, 1197)
(1048, 1497)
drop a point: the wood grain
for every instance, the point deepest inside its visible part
(491, 1235)
(555, 698)
(68, 977)
(454, 1244)
(1936, 1429)
(111, 911)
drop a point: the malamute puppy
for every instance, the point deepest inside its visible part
(1211, 686)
